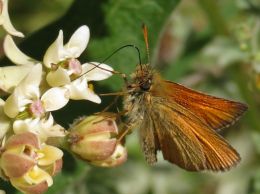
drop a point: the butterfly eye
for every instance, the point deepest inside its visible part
(146, 85)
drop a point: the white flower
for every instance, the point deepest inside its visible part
(58, 52)
(67, 71)
(5, 20)
(80, 89)
(31, 109)
(64, 69)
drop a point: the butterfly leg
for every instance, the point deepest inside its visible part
(126, 129)
(111, 104)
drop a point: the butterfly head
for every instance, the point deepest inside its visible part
(142, 79)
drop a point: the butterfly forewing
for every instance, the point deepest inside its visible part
(217, 113)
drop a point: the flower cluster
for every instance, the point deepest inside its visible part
(36, 88)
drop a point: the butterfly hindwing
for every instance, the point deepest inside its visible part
(188, 142)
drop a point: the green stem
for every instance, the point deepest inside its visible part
(60, 142)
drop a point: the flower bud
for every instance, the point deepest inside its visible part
(93, 138)
(117, 158)
(30, 164)
(19, 154)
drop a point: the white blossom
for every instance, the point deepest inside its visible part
(64, 69)
(67, 70)
(31, 110)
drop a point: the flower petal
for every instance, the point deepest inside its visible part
(4, 120)
(50, 155)
(21, 184)
(11, 76)
(60, 77)
(54, 52)
(15, 163)
(5, 21)
(117, 158)
(31, 125)
(79, 90)
(33, 78)
(55, 98)
(37, 175)
(96, 73)
(49, 129)
(15, 54)
(28, 88)
(43, 128)
(78, 42)
(11, 107)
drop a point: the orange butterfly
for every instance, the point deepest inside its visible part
(180, 122)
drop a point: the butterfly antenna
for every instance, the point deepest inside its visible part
(113, 53)
(108, 57)
(122, 47)
(145, 32)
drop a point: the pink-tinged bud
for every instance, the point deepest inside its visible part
(117, 158)
(19, 154)
(29, 164)
(93, 138)
(23, 152)
(15, 164)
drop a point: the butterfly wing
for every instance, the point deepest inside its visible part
(217, 113)
(186, 141)
(149, 140)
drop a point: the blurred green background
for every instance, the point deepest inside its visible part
(210, 46)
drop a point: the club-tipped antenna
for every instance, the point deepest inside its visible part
(145, 32)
